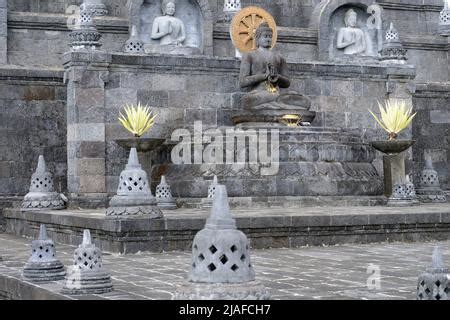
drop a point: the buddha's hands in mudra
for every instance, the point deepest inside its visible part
(271, 74)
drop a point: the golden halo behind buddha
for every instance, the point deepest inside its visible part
(244, 26)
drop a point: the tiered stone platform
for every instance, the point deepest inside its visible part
(266, 228)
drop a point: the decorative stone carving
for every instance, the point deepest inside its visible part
(133, 194)
(170, 33)
(403, 194)
(134, 44)
(164, 195)
(95, 6)
(444, 20)
(434, 283)
(221, 266)
(42, 194)
(349, 31)
(393, 50)
(85, 34)
(87, 275)
(352, 39)
(429, 188)
(230, 8)
(43, 266)
(208, 202)
(264, 72)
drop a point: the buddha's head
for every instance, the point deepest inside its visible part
(168, 7)
(351, 18)
(264, 36)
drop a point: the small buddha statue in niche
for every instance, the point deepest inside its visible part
(265, 73)
(351, 38)
(168, 29)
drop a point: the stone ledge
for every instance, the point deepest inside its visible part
(199, 64)
(20, 73)
(13, 288)
(58, 22)
(269, 228)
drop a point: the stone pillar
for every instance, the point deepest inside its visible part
(394, 171)
(3, 31)
(86, 75)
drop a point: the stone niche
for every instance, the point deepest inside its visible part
(329, 19)
(195, 14)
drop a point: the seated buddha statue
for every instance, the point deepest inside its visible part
(350, 38)
(264, 73)
(170, 31)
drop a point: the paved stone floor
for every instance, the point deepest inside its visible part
(337, 272)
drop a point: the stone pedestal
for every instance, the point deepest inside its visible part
(394, 171)
(43, 266)
(306, 161)
(87, 275)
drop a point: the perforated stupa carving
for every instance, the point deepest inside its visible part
(434, 283)
(393, 50)
(133, 194)
(403, 194)
(164, 195)
(42, 194)
(43, 266)
(87, 275)
(429, 188)
(221, 265)
(208, 201)
(134, 44)
(85, 35)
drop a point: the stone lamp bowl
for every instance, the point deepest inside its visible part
(141, 144)
(392, 146)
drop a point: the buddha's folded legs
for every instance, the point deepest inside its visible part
(258, 100)
(293, 99)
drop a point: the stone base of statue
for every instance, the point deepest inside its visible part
(222, 291)
(271, 112)
(271, 117)
(312, 161)
(132, 206)
(44, 272)
(430, 196)
(171, 49)
(39, 200)
(87, 283)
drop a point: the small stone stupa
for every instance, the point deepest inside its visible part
(43, 266)
(444, 20)
(85, 35)
(434, 283)
(393, 51)
(429, 188)
(221, 268)
(403, 194)
(208, 201)
(164, 195)
(133, 194)
(87, 275)
(42, 194)
(134, 44)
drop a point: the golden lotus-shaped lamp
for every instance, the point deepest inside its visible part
(291, 120)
